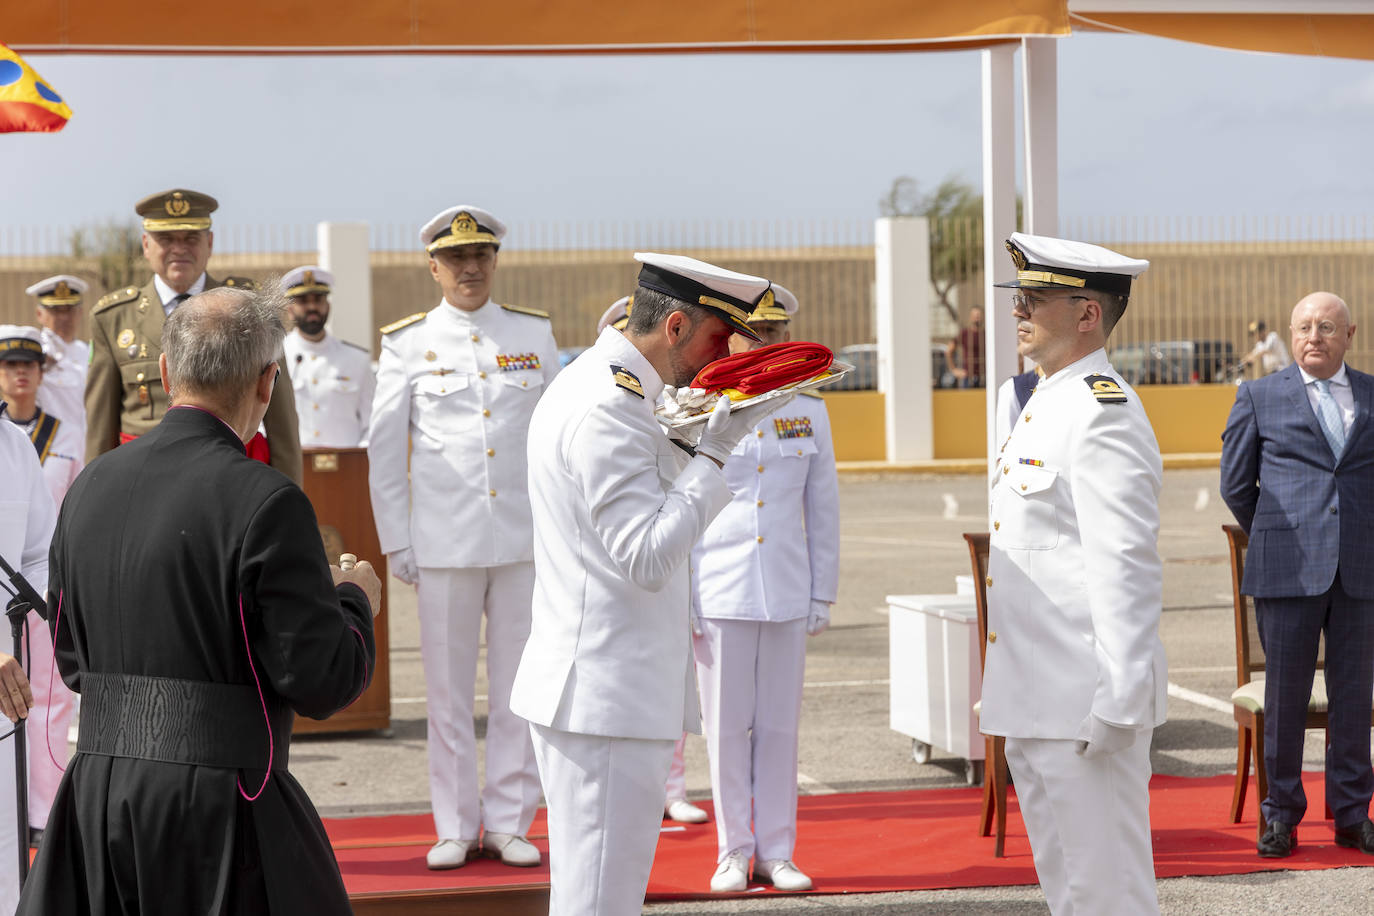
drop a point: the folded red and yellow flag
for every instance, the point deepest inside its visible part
(756, 372)
(27, 102)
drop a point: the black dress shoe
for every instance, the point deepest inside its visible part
(1279, 841)
(1360, 837)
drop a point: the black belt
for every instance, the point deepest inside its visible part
(181, 721)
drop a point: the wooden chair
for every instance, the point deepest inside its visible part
(1248, 699)
(995, 756)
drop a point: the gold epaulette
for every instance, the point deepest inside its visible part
(408, 320)
(241, 283)
(522, 310)
(118, 297)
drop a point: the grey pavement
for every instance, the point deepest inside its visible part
(901, 535)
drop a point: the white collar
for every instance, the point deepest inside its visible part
(1340, 378)
(167, 294)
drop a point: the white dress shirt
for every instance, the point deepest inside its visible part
(167, 294)
(456, 389)
(1074, 584)
(334, 383)
(615, 518)
(777, 545)
(1341, 392)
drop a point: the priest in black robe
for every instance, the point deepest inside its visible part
(195, 612)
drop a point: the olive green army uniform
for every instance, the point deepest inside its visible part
(124, 392)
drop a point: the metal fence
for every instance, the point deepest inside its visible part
(1209, 278)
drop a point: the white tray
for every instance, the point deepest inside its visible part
(837, 370)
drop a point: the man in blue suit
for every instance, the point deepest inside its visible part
(1297, 470)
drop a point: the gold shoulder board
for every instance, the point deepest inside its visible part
(408, 320)
(241, 283)
(522, 310)
(118, 297)
(627, 380)
(1106, 389)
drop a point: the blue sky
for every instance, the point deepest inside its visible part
(1147, 127)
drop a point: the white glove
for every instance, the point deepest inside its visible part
(819, 617)
(402, 564)
(726, 427)
(1103, 738)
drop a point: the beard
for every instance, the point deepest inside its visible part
(311, 323)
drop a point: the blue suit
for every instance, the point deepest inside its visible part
(1310, 518)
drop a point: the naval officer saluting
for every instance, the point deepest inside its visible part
(63, 391)
(124, 393)
(455, 388)
(332, 377)
(1075, 676)
(606, 680)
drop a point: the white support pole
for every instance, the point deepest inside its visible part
(1040, 114)
(999, 220)
(902, 278)
(346, 253)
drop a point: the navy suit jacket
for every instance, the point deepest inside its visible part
(1308, 514)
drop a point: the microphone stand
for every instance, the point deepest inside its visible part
(24, 599)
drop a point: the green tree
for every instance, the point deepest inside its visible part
(955, 212)
(112, 250)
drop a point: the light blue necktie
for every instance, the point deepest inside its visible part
(1329, 415)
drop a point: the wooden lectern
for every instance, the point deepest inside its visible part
(336, 482)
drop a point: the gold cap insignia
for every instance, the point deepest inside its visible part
(177, 210)
(309, 278)
(1017, 257)
(766, 300)
(125, 338)
(62, 289)
(463, 224)
(177, 205)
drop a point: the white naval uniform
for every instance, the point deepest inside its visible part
(54, 704)
(333, 383)
(27, 517)
(458, 388)
(62, 392)
(606, 680)
(1074, 592)
(765, 558)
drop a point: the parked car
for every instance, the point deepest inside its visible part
(864, 359)
(1175, 362)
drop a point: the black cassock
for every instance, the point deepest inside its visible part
(190, 597)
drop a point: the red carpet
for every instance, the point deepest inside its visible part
(927, 839)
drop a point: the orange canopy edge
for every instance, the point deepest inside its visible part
(1319, 35)
(522, 26)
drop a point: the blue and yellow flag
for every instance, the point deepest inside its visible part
(27, 103)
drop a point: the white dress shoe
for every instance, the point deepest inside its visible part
(510, 849)
(782, 874)
(732, 874)
(450, 854)
(684, 812)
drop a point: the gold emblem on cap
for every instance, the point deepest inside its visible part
(766, 301)
(177, 205)
(62, 289)
(125, 338)
(309, 279)
(1017, 256)
(430, 356)
(463, 224)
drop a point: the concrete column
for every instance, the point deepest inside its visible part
(902, 279)
(999, 221)
(1040, 111)
(345, 252)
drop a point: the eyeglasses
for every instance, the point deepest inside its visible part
(1323, 328)
(1024, 303)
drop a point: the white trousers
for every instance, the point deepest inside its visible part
(1089, 825)
(605, 800)
(46, 732)
(451, 605)
(676, 785)
(750, 676)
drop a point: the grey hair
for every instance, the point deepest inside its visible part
(218, 342)
(651, 307)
